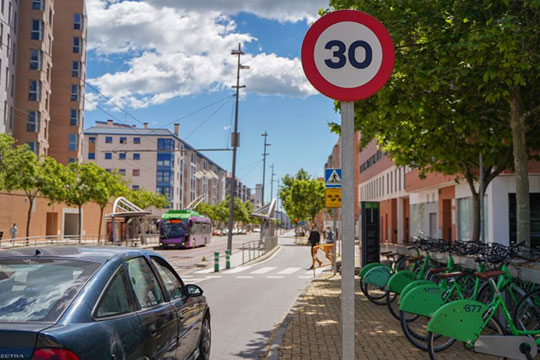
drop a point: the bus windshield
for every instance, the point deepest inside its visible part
(174, 228)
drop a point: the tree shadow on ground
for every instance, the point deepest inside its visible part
(256, 349)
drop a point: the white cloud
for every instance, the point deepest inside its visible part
(173, 52)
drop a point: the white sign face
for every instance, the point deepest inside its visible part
(348, 54)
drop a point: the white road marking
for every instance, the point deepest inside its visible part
(289, 270)
(238, 269)
(306, 277)
(263, 270)
(205, 271)
(191, 281)
(274, 277)
(244, 277)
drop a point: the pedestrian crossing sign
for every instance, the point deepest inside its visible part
(332, 178)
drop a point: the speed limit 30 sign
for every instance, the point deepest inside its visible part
(347, 55)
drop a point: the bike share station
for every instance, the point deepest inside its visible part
(348, 56)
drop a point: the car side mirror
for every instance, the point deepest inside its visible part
(194, 290)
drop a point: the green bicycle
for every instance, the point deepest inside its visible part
(475, 323)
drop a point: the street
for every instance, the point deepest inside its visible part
(247, 302)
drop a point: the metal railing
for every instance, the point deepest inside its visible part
(94, 240)
(254, 249)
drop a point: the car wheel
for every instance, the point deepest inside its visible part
(206, 338)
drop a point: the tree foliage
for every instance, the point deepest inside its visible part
(144, 199)
(465, 71)
(301, 196)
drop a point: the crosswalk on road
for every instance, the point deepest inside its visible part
(247, 272)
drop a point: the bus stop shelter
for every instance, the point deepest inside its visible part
(128, 213)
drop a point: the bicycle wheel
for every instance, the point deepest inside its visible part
(415, 330)
(493, 328)
(512, 294)
(527, 312)
(392, 301)
(374, 293)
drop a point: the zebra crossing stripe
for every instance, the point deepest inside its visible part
(244, 277)
(274, 277)
(205, 271)
(288, 271)
(238, 269)
(263, 270)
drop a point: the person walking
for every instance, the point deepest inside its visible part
(14, 231)
(314, 239)
(329, 239)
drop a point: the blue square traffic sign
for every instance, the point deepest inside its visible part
(332, 178)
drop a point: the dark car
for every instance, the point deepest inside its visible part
(96, 303)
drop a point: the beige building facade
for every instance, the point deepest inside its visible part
(9, 14)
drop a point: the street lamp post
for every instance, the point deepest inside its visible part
(235, 142)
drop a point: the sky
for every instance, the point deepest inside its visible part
(168, 61)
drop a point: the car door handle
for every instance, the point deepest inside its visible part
(153, 330)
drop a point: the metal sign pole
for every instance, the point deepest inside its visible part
(334, 211)
(347, 230)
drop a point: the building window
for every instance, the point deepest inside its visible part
(34, 90)
(122, 172)
(74, 117)
(72, 142)
(137, 140)
(71, 160)
(108, 140)
(165, 144)
(164, 160)
(77, 41)
(123, 140)
(108, 170)
(75, 68)
(135, 187)
(136, 172)
(32, 146)
(92, 140)
(91, 156)
(32, 123)
(37, 30)
(37, 4)
(74, 92)
(108, 156)
(35, 59)
(122, 156)
(77, 21)
(163, 176)
(136, 156)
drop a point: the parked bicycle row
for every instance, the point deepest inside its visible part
(438, 304)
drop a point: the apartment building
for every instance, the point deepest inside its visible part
(47, 62)
(68, 79)
(241, 191)
(155, 159)
(9, 11)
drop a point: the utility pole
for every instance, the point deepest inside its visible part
(235, 142)
(264, 163)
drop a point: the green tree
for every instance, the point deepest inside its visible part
(144, 199)
(106, 185)
(465, 82)
(21, 170)
(301, 196)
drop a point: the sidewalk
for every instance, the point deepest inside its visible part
(313, 330)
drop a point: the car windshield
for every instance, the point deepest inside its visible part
(40, 289)
(173, 228)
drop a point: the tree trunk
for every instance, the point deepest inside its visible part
(28, 216)
(80, 222)
(101, 208)
(519, 129)
(476, 217)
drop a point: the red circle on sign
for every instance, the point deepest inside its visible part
(337, 92)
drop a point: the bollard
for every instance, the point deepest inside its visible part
(227, 259)
(216, 261)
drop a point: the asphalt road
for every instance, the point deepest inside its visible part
(185, 260)
(247, 302)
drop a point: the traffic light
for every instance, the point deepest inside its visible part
(296, 220)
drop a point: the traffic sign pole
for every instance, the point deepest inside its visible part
(347, 230)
